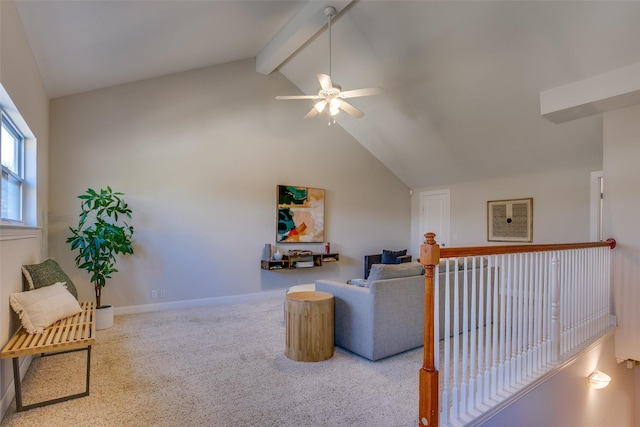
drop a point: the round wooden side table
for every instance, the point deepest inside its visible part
(309, 326)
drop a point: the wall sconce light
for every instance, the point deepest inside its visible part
(598, 380)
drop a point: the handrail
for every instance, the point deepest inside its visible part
(512, 249)
(430, 255)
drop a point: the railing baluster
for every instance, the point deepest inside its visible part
(474, 331)
(519, 329)
(555, 301)
(447, 343)
(480, 390)
(499, 336)
(455, 390)
(537, 330)
(465, 338)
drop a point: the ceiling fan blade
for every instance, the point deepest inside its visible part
(350, 109)
(325, 81)
(361, 92)
(298, 97)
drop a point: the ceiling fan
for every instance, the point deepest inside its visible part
(331, 94)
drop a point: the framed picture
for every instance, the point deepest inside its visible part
(510, 220)
(300, 214)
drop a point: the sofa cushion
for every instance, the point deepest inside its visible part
(46, 274)
(394, 271)
(391, 257)
(42, 307)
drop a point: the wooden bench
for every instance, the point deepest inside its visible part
(74, 333)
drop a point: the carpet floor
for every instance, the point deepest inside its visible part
(220, 365)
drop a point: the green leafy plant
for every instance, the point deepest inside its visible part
(101, 235)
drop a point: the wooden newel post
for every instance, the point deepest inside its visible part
(428, 403)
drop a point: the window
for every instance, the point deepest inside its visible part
(12, 155)
(19, 167)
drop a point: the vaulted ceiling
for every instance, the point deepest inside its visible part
(461, 80)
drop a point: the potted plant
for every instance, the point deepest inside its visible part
(101, 235)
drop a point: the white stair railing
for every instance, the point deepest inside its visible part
(510, 317)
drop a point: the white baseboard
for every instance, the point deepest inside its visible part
(10, 392)
(204, 302)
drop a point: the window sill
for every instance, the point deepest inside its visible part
(18, 232)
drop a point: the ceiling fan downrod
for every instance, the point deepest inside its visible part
(329, 11)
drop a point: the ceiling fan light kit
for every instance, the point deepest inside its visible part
(331, 94)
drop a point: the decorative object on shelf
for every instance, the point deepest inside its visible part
(266, 252)
(327, 247)
(101, 235)
(290, 262)
(300, 215)
(510, 220)
(277, 256)
(304, 264)
(298, 252)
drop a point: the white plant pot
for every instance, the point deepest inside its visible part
(104, 317)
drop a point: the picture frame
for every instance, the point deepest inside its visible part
(300, 214)
(510, 220)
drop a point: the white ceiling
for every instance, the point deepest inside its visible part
(461, 79)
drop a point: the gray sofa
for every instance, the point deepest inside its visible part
(385, 316)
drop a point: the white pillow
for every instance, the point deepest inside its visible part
(42, 307)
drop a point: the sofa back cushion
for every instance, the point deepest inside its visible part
(395, 271)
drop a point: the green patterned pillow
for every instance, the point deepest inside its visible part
(44, 274)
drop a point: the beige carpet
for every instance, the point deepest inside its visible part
(217, 366)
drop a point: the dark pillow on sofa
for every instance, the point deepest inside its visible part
(46, 274)
(391, 257)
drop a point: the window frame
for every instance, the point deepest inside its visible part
(32, 220)
(19, 140)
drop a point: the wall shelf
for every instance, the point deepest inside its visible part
(295, 262)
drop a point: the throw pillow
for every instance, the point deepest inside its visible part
(383, 272)
(391, 257)
(45, 274)
(42, 307)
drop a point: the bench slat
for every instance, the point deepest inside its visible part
(77, 331)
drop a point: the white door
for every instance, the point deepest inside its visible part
(434, 215)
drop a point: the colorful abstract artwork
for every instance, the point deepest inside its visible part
(300, 215)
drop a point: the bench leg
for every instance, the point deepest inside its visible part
(18, 387)
(16, 383)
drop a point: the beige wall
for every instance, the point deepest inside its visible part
(621, 152)
(622, 205)
(21, 80)
(198, 155)
(560, 207)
